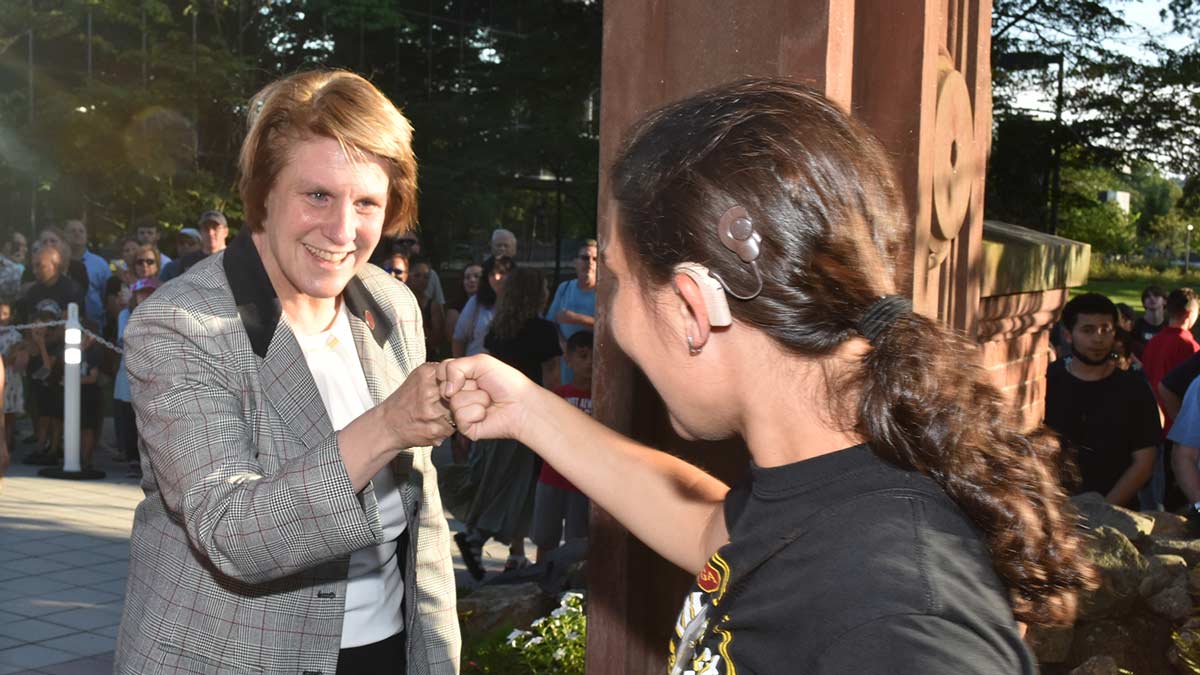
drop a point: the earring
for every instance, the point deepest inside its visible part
(692, 348)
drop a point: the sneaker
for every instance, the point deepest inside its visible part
(470, 555)
(515, 562)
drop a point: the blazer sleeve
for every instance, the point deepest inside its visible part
(251, 526)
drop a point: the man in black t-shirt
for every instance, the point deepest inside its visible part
(50, 284)
(1107, 417)
(1154, 301)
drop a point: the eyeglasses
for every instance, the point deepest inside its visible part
(397, 272)
(145, 261)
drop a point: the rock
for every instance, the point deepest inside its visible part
(1138, 642)
(1194, 581)
(1185, 650)
(1188, 549)
(1172, 602)
(1120, 568)
(1050, 644)
(1162, 571)
(1167, 525)
(1097, 513)
(1098, 665)
(488, 608)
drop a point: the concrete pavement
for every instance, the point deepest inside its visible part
(64, 553)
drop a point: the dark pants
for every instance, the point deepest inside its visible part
(385, 657)
(126, 423)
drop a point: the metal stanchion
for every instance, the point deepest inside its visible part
(72, 357)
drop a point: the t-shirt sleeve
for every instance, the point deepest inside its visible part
(1178, 380)
(462, 327)
(557, 303)
(735, 502)
(918, 643)
(1145, 424)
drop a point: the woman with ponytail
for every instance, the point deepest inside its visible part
(895, 519)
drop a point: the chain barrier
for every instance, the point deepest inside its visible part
(51, 324)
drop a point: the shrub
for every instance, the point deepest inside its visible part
(553, 645)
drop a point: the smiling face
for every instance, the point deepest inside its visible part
(471, 277)
(324, 216)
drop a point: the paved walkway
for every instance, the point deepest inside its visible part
(64, 552)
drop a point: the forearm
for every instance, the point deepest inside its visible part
(1187, 475)
(567, 316)
(1169, 401)
(1130, 482)
(364, 449)
(672, 506)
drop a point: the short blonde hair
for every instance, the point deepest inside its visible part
(333, 104)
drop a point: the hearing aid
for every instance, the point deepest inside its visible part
(711, 290)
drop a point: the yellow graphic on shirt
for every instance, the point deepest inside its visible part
(691, 656)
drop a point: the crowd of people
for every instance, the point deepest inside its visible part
(1122, 399)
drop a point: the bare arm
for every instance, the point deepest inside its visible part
(1183, 460)
(674, 507)
(567, 316)
(1170, 402)
(1140, 468)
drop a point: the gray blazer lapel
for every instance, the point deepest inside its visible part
(289, 386)
(383, 376)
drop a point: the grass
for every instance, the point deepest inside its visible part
(1125, 283)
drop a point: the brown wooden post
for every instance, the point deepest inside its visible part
(917, 72)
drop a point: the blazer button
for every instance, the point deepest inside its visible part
(326, 595)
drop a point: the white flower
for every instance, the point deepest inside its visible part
(559, 653)
(538, 622)
(535, 641)
(573, 635)
(560, 612)
(516, 634)
(570, 595)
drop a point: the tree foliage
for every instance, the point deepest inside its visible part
(498, 94)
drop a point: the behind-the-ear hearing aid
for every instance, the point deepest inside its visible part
(711, 290)
(737, 233)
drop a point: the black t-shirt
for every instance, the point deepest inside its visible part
(64, 291)
(1142, 332)
(1180, 378)
(846, 564)
(1102, 422)
(537, 342)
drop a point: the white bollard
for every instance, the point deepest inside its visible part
(72, 356)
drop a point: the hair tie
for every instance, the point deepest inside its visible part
(882, 314)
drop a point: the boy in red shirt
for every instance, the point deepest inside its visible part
(1174, 343)
(556, 499)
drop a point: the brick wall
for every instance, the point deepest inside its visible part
(1014, 336)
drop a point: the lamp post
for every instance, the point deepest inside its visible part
(72, 357)
(1187, 247)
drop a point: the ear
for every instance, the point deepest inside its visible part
(693, 309)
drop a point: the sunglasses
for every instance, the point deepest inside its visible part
(145, 261)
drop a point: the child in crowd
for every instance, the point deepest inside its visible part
(556, 499)
(45, 368)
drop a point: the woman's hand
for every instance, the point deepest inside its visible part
(489, 399)
(415, 412)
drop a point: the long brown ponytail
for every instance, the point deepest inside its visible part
(820, 191)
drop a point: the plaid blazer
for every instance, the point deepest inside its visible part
(240, 550)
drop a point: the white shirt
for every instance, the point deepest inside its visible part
(472, 326)
(375, 587)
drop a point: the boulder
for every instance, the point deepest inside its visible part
(1137, 642)
(1050, 644)
(1168, 525)
(1188, 549)
(488, 608)
(1098, 665)
(1194, 581)
(1162, 571)
(1185, 650)
(1120, 568)
(1097, 513)
(1172, 602)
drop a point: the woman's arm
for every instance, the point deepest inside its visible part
(674, 507)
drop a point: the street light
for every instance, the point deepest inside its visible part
(1187, 265)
